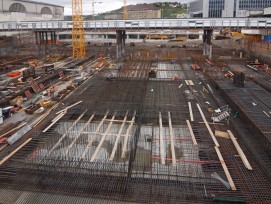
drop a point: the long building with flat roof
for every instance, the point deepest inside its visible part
(24, 10)
(227, 8)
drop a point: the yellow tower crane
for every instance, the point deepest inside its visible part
(125, 13)
(78, 34)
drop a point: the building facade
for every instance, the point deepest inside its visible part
(25, 10)
(227, 8)
(138, 11)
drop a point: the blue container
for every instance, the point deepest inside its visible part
(267, 38)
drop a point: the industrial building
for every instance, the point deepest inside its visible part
(138, 11)
(227, 8)
(24, 10)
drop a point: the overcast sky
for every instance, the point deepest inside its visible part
(106, 5)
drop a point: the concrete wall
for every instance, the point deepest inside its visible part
(196, 7)
(33, 10)
(267, 11)
(228, 9)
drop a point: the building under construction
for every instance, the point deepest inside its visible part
(146, 128)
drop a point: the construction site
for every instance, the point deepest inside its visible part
(135, 123)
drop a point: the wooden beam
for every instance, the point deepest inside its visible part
(225, 168)
(65, 134)
(162, 146)
(37, 121)
(266, 114)
(190, 111)
(191, 132)
(202, 94)
(94, 136)
(124, 148)
(118, 137)
(58, 116)
(102, 139)
(118, 121)
(79, 134)
(14, 151)
(212, 123)
(171, 140)
(191, 82)
(65, 109)
(240, 151)
(221, 134)
(13, 130)
(55, 121)
(3, 146)
(207, 126)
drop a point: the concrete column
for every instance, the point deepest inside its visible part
(40, 40)
(52, 37)
(120, 45)
(46, 38)
(204, 41)
(36, 38)
(207, 43)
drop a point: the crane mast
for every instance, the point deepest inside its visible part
(78, 35)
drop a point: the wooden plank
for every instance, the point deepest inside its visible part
(65, 134)
(12, 130)
(204, 89)
(191, 132)
(118, 121)
(55, 121)
(37, 121)
(162, 146)
(124, 148)
(221, 134)
(118, 137)
(266, 114)
(202, 94)
(94, 136)
(14, 151)
(190, 111)
(225, 168)
(240, 151)
(57, 117)
(173, 155)
(191, 83)
(212, 123)
(3, 146)
(102, 139)
(79, 134)
(207, 126)
(65, 109)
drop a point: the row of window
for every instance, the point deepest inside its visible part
(254, 4)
